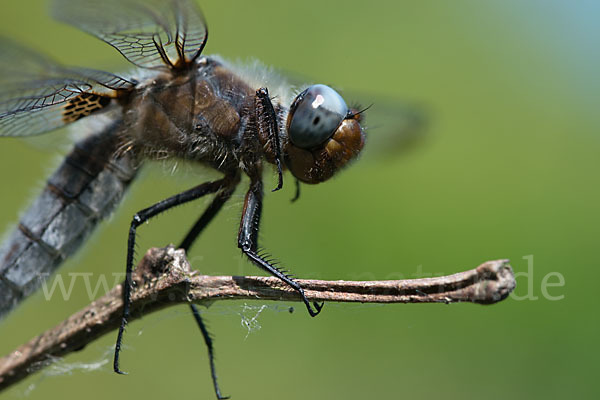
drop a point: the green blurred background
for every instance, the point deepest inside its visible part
(508, 169)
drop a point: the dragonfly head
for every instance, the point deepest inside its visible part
(324, 134)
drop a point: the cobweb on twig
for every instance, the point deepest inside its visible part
(250, 316)
(55, 366)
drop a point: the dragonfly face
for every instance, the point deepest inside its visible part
(182, 105)
(323, 134)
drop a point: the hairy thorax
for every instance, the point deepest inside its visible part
(203, 114)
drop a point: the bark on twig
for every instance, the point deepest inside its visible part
(164, 278)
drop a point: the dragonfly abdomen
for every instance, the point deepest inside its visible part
(80, 193)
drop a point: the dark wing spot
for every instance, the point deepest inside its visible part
(83, 105)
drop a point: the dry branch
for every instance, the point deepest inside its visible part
(164, 278)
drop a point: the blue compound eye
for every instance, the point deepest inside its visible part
(315, 115)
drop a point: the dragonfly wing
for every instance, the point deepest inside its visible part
(38, 95)
(393, 127)
(148, 33)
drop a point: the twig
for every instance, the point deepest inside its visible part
(164, 278)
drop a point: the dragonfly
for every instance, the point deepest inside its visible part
(179, 104)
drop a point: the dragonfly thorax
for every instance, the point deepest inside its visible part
(203, 114)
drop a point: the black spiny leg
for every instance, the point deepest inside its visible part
(266, 121)
(198, 227)
(209, 346)
(248, 241)
(138, 219)
(210, 212)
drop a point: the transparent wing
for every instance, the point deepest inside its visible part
(38, 95)
(148, 33)
(392, 126)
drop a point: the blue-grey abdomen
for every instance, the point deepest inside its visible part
(80, 193)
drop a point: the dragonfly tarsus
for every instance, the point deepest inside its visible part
(248, 241)
(209, 346)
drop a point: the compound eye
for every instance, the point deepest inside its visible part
(315, 115)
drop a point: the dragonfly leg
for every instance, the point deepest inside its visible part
(143, 216)
(248, 242)
(297, 195)
(211, 355)
(207, 216)
(266, 122)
